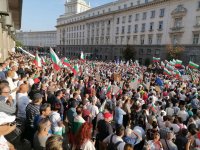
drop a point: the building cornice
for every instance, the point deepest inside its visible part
(156, 2)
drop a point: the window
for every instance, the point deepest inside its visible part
(119, 7)
(143, 27)
(141, 51)
(123, 29)
(135, 39)
(129, 29)
(131, 4)
(123, 19)
(159, 39)
(146, 1)
(144, 16)
(125, 6)
(178, 22)
(195, 38)
(142, 39)
(122, 39)
(153, 14)
(150, 39)
(118, 19)
(138, 2)
(128, 39)
(136, 28)
(160, 25)
(151, 26)
(137, 17)
(199, 5)
(148, 51)
(157, 52)
(129, 18)
(103, 11)
(109, 9)
(162, 12)
(116, 40)
(198, 20)
(117, 30)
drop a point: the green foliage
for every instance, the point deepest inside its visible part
(19, 44)
(129, 53)
(147, 62)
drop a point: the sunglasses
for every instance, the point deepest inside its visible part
(9, 124)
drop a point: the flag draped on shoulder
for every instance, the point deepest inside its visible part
(56, 61)
(37, 61)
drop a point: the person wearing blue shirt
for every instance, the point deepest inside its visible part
(119, 112)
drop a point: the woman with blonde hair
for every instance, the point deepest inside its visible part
(54, 142)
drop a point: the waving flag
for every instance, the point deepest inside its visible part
(166, 72)
(66, 62)
(193, 65)
(156, 59)
(37, 61)
(178, 63)
(56, 61)
(82, 58)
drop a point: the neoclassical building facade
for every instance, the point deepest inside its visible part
(145, 25)
(10, 21)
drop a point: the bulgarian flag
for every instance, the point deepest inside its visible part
(108, 92)
(172, 63)
(156, 59)
(66, 62)
(178, 63)
(43, 61)
(192, 65)
(37, 61)
(166, 72)
(178, 74)
(169, 67)
(56, 61)
(162, 64)
(82, 58)
(75, 69)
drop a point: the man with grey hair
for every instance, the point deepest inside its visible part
(168, 143)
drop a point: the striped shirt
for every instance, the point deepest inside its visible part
(32, 110)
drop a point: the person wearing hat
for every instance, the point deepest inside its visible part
(32, 110)
(7, 125)
(104, 128)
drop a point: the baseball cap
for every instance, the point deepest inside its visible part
(107, 115)
(4, 118)
(37, 96)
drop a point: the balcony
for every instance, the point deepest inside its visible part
(180, 11)
(177, 29)
(197, 25)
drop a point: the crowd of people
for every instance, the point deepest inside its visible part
(104, 106)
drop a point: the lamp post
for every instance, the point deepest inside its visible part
(3, 13)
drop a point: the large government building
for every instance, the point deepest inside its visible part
(10, 20)
(37, 40)
(144, 25)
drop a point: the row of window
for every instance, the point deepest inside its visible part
(137, 16)
(143, 28)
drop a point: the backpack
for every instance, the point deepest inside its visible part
(111, 145)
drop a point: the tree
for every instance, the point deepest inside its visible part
(174, 51)
(19, 44)
(147, 62)
(129, 53)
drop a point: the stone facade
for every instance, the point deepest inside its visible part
(146, 25)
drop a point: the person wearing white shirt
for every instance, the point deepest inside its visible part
(22, 101)
(183, 114)
(170, 110)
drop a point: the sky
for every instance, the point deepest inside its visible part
(41, 15)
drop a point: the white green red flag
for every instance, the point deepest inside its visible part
(66, 62)
(177, 73)
(108, 92)
(37, 61)
(155, 59)
(57, 64)
(82, 58)
(193, 65)
(178, 63)
(166, 72)
(162, 64)
(43, 61)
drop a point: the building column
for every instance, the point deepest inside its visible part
(1, 43)
(5, 45)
